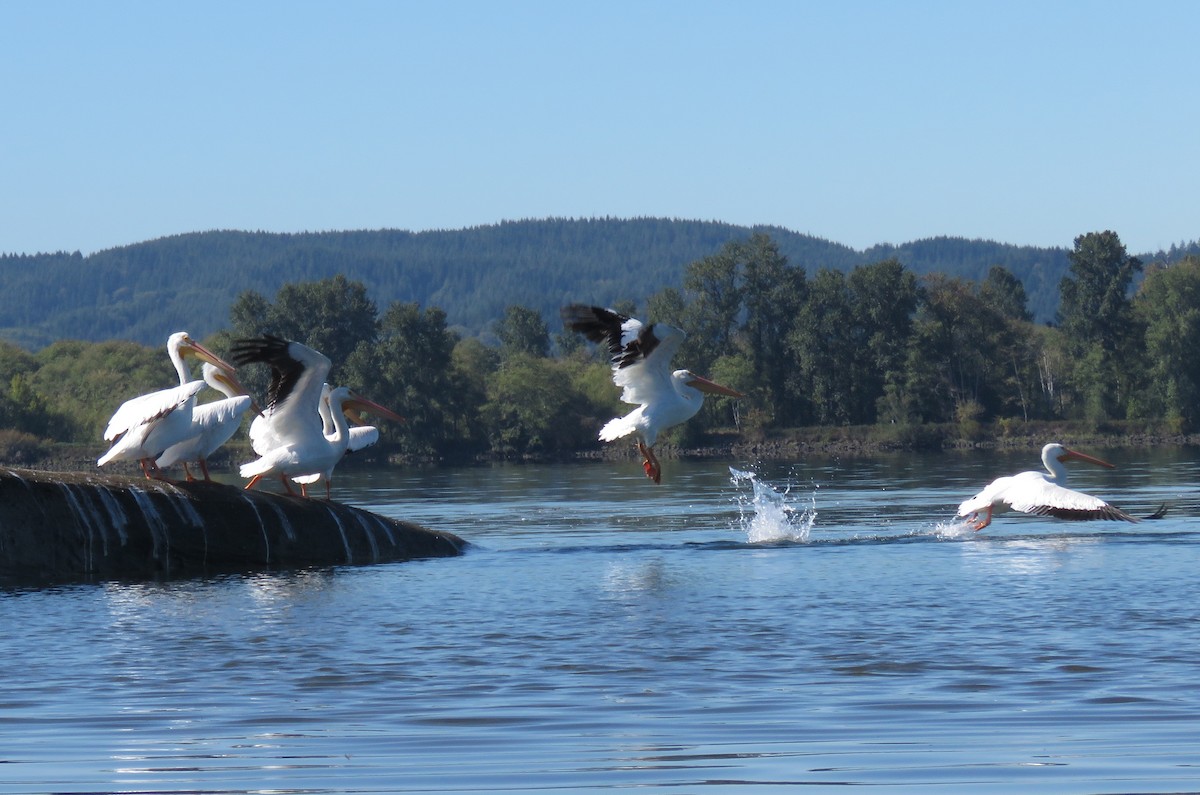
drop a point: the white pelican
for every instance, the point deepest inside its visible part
(213, 424)
(361, 436)
(641, 361)
(358, 438)
(143, 427)
(293, 395)
(1041, 494)
(290, 440)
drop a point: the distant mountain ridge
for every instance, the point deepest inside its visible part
(146, 290)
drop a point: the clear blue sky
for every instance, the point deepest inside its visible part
(859, 122)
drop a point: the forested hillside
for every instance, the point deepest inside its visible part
(904, 359)
(143, 292)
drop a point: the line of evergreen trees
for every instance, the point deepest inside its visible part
(144, 291)
(873, 346)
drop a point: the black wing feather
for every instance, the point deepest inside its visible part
(606, 327)
(271, 350)
(1108, 512)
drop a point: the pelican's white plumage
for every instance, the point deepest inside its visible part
(1041, 494)
(143, 427)
(641, 362)
(213, 424)
(290, 439)
(357, 438)
(361, 436)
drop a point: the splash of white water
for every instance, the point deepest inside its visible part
(766, 514)
(954, 528)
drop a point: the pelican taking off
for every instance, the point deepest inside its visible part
(143, 427)
(1041, 494)
(289, 437)
(641, 361)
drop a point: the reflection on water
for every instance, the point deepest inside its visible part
(822, 623)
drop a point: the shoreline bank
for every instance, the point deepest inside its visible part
(773, 446)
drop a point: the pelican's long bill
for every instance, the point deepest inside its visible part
(189, 347)
(712, 388)
(230, 379)
(360, 403)
(1077, 456)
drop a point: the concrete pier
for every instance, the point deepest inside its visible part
(58, 527)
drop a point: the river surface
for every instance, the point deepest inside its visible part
(742, 628)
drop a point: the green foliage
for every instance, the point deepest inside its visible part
(145, 291)
(1096, 315)
(333, 316)
(1168, 304)
(410, 367)
(19, 448)
(1005, 294)
(522, 332)
(824, 352)
(856, 345)
(87, 382)
(532, 408)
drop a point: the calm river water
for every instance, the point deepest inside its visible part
(824, 623)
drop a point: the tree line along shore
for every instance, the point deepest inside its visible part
(831, 362)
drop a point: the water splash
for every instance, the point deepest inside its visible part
(954, 529)
(767, 514)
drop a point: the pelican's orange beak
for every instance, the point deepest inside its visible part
(190, 347)
(360, 403)
(704, 385)
(230, 380)
(1072, 455)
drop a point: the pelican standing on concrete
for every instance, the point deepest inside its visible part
(1041, 494)
(143, 427)
(213, 424)
(641, 363)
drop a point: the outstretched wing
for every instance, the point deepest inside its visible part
(1046, 498)
(640, 354)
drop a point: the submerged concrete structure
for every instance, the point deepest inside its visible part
(58, 527)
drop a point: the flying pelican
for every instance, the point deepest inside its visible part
(641, 361)
(290, 439)
(143, 427)
(213, 424)
(1041, 494)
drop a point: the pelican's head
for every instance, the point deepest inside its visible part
(1057, 452)
(226, 383)
(182, 345)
